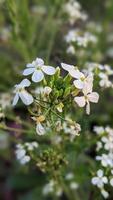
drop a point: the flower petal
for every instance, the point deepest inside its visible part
(100, 173)
(67, 67)
(80, 101)
(39, 62)
(93, 97)
(48, 70)
(26, 98)
(78, 84)
(28, 71)
(37, 76)
(25, 83)
(94, 180)
(75, 73)
(40, 129)
(15, 100)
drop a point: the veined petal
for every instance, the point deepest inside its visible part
(25, 83)
(39, 62)
(80, 101)
(67, 67)
(26, 98)
(28, 71)
(37, 76)
(93, 97)
(78, 84)
(49, 70)
(15, 100)
(75, 73)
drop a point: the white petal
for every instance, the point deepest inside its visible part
(15, 100)
(67, 67)
(26, 98)
(78, 84)
(40, 129)
(94, 180)
(80, 101)
(104, 193)
(37, 76)
(30, 65)
(93, 97)
(28, 71)
(39, 62)
(75, 73)
(87, 88)
(100, 173)
(111, 182)
(25, 83)
(48, 70)
(87, 108)
(104, 179)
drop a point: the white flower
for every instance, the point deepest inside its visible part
(48, 188)
(20, 91)
(21, 154)
(104, 82)
(99, 129)
(31, 145)
(74, 185)
(37, 68)
(86, 99)
(106, 159)
(99, 180)
(104, 193)
(83, 81)
(40, 130)
(69, 176)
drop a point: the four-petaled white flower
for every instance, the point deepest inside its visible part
(99, 180)
(37, 68)
(81, 80)
(20, 91)
(88, 96)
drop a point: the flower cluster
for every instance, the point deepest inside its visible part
(52, 95)
(77, 38)
(105, 156)
(73, 10)
(22, 150)
(104, 73)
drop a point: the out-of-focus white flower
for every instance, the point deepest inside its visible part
(69, 176)
(43, 90)
(37, 68)
(5, 100)
(99, 146)
(20, 91)
(21, 154)
(104, 82)
(71, 50)
(99, 130)
(88, 97)
(73, 9)
(74, 185)
(99, 180)
(31, 145)
(106, 159)
(48, 188)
